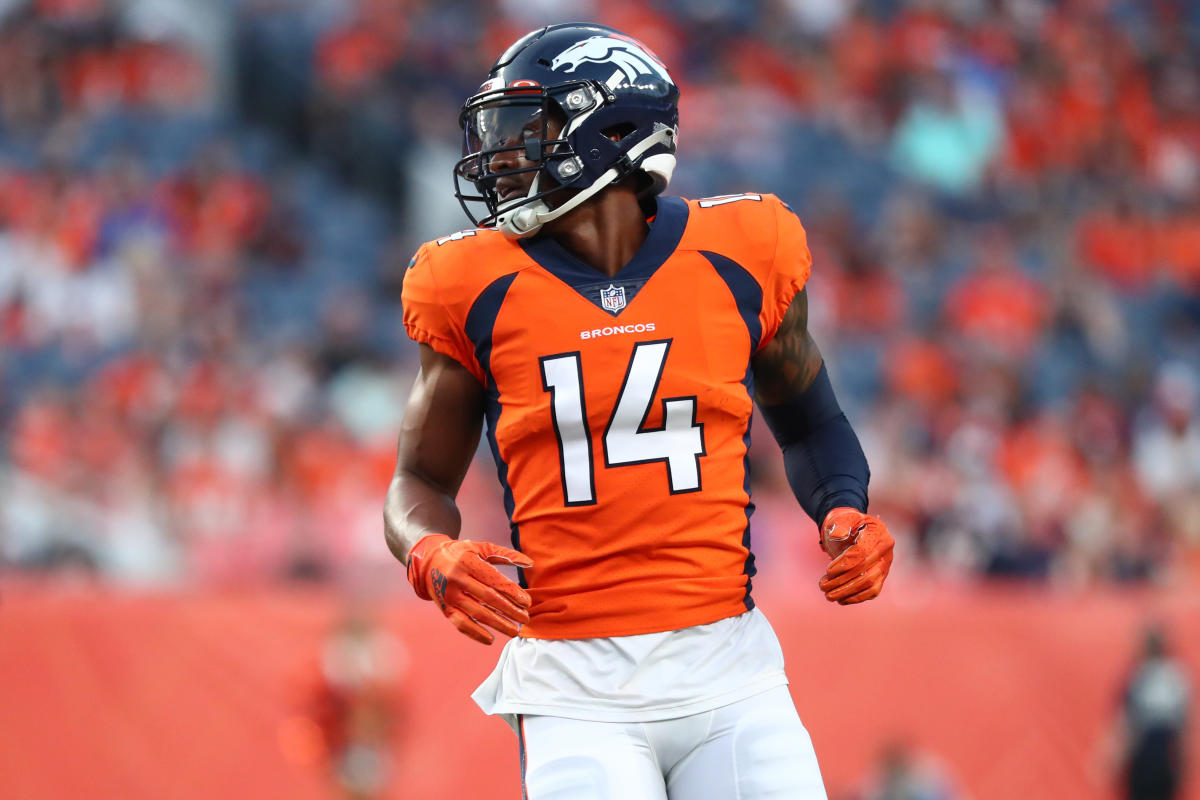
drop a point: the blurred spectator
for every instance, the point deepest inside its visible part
(948, 135)
(349, 718)
(1167, 461)
(361, 668)
(995, 309)
(1152, 723)
(1167, 446)
(904, 774)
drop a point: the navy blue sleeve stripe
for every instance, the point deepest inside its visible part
(745, 290)
(747, 294)
(481, 319)
(480, 325)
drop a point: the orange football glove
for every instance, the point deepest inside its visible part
(457, 574)
(861, 549)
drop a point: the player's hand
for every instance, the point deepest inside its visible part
(861, 549)
(457, 574)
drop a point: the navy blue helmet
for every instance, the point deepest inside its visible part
(580, 105)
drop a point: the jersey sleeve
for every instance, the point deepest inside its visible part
(429, 319)
(788, 272)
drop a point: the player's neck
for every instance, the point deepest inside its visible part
(605, 232)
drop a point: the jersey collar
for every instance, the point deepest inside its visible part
(666, 231)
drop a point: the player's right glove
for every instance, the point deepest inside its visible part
(457, 574)
(861, 549)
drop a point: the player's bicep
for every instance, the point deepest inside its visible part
(785, 366)
(442, 422)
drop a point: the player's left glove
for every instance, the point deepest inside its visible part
(861, 549)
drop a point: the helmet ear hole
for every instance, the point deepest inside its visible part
(619, 131)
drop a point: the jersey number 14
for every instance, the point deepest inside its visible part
(679, 441)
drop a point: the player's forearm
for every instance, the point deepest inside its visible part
(824, 462)
(415, 508)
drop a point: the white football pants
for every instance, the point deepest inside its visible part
(755, 749)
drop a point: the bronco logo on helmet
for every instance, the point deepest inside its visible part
(625, 55)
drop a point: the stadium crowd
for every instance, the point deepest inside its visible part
(201, 362)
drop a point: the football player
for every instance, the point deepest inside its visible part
(616, 341)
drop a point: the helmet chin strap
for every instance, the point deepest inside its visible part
(528, 219)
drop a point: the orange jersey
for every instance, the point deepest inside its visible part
(618, 409)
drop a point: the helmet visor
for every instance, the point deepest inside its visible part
(503, 125)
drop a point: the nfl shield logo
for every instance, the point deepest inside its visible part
(612, 298)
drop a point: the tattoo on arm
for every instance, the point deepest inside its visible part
(787, 365)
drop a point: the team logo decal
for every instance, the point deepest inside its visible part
(626, 56)
(612, 298)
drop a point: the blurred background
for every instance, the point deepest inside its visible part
(206, 209)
